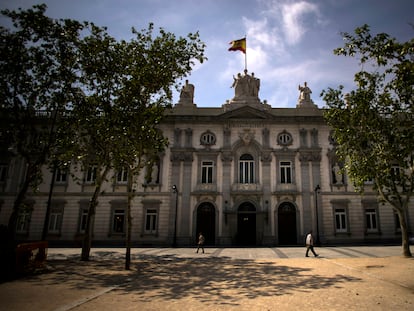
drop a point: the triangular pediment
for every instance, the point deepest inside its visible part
(245, 112)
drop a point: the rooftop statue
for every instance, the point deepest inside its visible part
(245, 86)
(187, 94)
(304, 99)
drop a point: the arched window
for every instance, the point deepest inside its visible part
(246, 169)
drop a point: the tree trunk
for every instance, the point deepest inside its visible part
(129, 221)
(404, 233)
(87, 239)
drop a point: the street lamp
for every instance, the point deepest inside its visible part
(317, 188)
(175, 190)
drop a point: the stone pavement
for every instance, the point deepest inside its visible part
(281, 278)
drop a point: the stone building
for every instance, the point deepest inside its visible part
(244, 173)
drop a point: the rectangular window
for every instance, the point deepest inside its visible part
(207, 172)
(23, 221)
(55, 221)
(122, 176)
(3, 172)
(91, 174)
(83, 218)
(61, 176)
(118, 225)
(371, 220)
(246, 171)
(285, 172)
(395, 172)
(151, 221)
(340, 220)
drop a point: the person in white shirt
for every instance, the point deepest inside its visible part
(309, 244)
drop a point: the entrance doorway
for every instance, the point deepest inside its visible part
(287, 224)
(246, 224)
(206, 222)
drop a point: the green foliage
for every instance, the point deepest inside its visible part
(373, 125)
(38, 71)
(70, 92)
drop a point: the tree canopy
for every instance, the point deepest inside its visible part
(71, 93)
(373, 124)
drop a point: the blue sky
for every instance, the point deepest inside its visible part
(288, 41)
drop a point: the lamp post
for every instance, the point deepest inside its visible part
(317, 188)
(175, 190)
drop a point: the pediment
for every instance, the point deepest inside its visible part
(245, 112)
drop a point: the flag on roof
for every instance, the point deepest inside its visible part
(238, 45)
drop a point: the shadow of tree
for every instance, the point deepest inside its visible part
(208, 279)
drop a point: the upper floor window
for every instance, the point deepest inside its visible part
(207, 139)
(284, 139)
(207, 172)
(91, 174)
(286, 172)
(61, 175)
(246, 169)
(122, 175)
(395, 170)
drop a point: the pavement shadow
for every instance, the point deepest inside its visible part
(207, 279)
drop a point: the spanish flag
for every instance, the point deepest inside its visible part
(238, 45)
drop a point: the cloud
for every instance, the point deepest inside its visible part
(293, 19)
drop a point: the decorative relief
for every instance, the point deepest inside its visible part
(310, 156)
(247, 135)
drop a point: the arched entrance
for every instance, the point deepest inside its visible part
(246, 224)
(206, 222)
(287, 224)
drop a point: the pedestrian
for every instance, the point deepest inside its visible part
(309, 244)
(200, 242)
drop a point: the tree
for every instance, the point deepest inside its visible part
(126, 87)
(38, 82)
(374, 124)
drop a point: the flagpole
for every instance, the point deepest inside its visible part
(245, 54)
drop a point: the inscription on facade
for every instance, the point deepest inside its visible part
(246, 125)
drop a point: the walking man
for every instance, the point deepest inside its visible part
(309, 244)
(200, 242)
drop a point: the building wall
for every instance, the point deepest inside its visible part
(266, 206)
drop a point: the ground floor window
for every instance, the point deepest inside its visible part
(340, 220)
(23, 222)
(371, 220)
(55, 221)
(151, 217)
(118, 221)
(83, 218)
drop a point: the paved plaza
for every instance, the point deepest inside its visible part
(268, 278)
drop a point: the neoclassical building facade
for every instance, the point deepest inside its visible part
(243, 174)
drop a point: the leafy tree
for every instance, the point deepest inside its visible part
(374, 124)
(38, 74)
(126, 87)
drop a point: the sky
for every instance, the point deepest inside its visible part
(288, 41)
